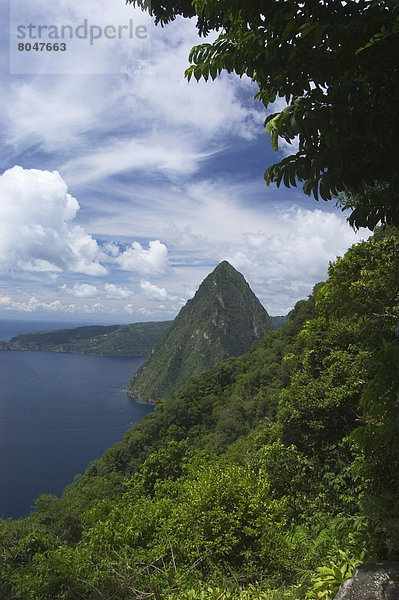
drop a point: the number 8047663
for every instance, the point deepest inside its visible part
(42, 47)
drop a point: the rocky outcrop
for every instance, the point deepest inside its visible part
(372, 581)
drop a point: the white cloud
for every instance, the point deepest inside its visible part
(82, 290)
(98, 307)
(162, 153)
(34, 304)
(36, 225)
(284, 260)
(145, 311)
(76, 115)
(153, 292)
(5, 301)
(113, 291)
(87, 290)
(111, 250)
(153, 261)
(49, 115)
(141, 311)
(202, 106)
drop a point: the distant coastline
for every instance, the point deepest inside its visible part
(134, 339)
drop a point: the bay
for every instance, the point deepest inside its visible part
(58, 412)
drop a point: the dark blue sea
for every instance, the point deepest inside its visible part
(58, 412)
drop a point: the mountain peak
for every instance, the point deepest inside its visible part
(225, 268)
(225, 272)
(223, 275)
(224, 265)
(223, 319)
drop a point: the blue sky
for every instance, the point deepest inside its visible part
(122, 185)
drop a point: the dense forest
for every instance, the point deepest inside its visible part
(268, 477)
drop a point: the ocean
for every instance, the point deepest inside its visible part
(58, 412)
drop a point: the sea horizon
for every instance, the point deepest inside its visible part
(12, 327)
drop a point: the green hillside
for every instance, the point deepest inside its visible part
(224, 319)
(268, 477)
(135, 339)
(278, 321)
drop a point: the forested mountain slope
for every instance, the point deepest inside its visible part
(268, 477)
(224, 319)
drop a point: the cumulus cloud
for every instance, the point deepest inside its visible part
(34, 304)
(82, 290)
(141, 311)
(145, 311)
(153, 292)
(113, 291)
(153, 261)
(129, 308)
(281, 250)
(36, 225)
(291, 254)
(87, 290)
(111, 250)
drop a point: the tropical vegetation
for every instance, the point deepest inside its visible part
(268, 477)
